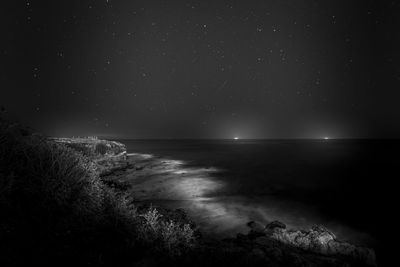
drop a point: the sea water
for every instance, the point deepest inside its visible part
(346, 185)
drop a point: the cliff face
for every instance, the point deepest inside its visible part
(93, 146)
(108, 155)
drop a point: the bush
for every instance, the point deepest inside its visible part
(51, 174)
(172, 237)
(54, 205)
(101, 148)
(85, 149)
(52, 200)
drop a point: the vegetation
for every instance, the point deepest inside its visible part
(173, 237)
(101, 148)
(56, 210)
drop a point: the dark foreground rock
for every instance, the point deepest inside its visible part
(317, 240)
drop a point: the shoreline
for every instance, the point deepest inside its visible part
(80, 197)
(197, 195)
(169, 184)
(198, 190)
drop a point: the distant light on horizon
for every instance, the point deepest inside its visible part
(236, 138)
(326, 138)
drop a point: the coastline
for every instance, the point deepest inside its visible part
(188, 194)
(169, 184)
(204, 195)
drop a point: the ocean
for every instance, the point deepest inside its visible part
(346, 185)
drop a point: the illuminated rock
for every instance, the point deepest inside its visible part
(318, 240)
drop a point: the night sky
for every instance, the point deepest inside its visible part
(203, 69)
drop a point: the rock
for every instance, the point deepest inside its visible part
(319, 237)
(275, 224)
(255, 226)
(320, 240)
(273, 227)
(285, 247)
(322, 230)
(362, 254)
(257, 229)
(88, 146)
(108, 156)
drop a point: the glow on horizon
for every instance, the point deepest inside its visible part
(236, 138)
(326, 138)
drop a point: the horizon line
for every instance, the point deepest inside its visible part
(249, 139)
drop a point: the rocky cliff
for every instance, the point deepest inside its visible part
(107, 155)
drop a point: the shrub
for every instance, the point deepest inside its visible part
(85, 149)
(169, 236)
(152, 218)
(176, 238)
(52, 198)
(101, 148)
(54, 205)
(51, 174)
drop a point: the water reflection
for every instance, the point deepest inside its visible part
(176, 184)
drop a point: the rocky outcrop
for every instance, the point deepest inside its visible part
(317, 240)
(90, 146)
(108, 156)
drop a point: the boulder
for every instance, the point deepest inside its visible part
(275, 224)
(319, 237)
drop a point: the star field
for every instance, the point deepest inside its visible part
(202, 69)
